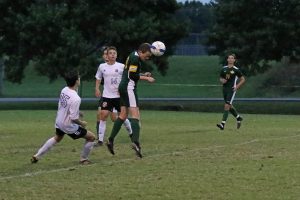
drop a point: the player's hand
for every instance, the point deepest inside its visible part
(83, 123)
(97, 93)
(151, 80)
(223, 80)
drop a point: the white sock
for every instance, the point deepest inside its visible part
(88, 146)
(127, 125)
(102, 129)
(45, 148)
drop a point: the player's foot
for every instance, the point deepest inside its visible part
(220, 126)
(85, 162)
(137, 149)
(110, 146)
(34, 159)
(98, 143)
(239, 122)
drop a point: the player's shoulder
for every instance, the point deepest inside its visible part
(118, 64)
(225, 67)
(133, 57)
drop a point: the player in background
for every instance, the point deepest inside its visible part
(232, 79)
(111, 73)
(68, 120)
(114, 113)
(128, 96)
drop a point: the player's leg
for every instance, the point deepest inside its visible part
(114, 114)
(228, 95)
(124, 102)
(102, 126)
(98, 116)
(126, 123)
(87, 147)
(48, 145)
(135, 121)
(106, 108)
(135, 124)
(239, 119)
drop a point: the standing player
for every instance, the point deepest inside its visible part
(232, 79)
(129, 99)
(111, 72)
(68, 120)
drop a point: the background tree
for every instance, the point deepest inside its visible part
(57, 35)
(258, 31)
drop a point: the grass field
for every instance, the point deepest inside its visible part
(192, 76)
(185, 157)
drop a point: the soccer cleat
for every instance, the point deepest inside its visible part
(239, 122)
(137, 150)
(85, 162)
(98, 143)
(220, 126)
(34, 160)
(110, 146)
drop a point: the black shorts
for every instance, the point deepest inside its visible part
(80, 133)
(109, 104)
(228, 95)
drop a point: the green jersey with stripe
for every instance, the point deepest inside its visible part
(231, 74)
(131, 73)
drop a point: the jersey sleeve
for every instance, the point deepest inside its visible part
(99, 74)
(74, 109)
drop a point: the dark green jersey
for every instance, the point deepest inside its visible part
(231, 74)
(131, 73)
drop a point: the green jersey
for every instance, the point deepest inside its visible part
(231, 74)
(131, 73)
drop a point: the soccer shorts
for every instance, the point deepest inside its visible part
(109, 104)
(80, 133)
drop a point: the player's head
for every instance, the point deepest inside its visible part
(72, 77)
(104, 53)
(144, 51)
(231, 59)
(111, 53)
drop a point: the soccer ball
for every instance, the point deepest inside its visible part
(158, 48)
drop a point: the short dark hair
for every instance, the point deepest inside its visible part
(71, 77)
(232, 54)
(145, 47)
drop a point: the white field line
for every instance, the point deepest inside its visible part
(151, 156)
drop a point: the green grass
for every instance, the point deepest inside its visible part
(186, 74)
(185, 157)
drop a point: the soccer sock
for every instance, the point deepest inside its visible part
(225, 116)
(233, 112)
(127, 125)
(135, 130)
(46, 147)
(97, 127)
(116, 128)
(87, 147)
(102, 129)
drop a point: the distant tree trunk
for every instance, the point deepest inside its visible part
(1, 76)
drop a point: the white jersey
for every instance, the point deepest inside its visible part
(68, 110)
(112, 75)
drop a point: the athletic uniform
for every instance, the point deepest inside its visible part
(112, 75)
(130, 77)
(68, 110)
(231, 74)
